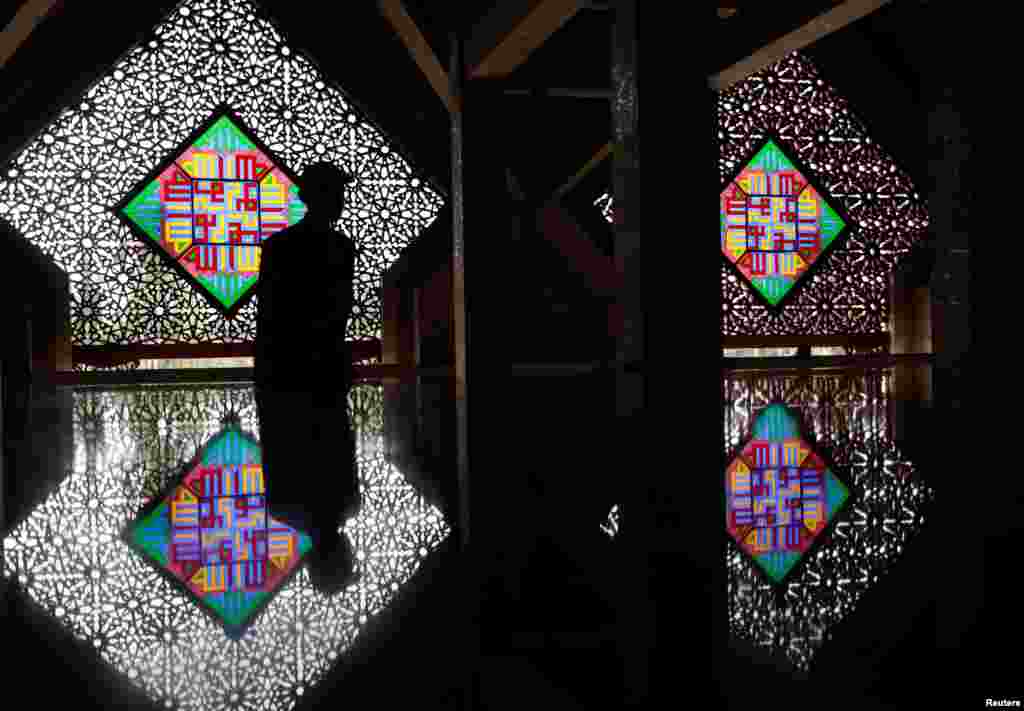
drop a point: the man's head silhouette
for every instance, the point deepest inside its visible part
(322, 189)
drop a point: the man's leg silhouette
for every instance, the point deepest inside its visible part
(336, 486)
(287, 449)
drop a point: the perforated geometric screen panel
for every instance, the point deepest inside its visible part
(62, 189)
(846, 293)
(791, 104)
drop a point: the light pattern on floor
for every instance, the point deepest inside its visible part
(847, 416)
(129, 446)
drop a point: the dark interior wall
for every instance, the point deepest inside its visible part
(875, 63)
(434, 316)
(36, 295)
(34, 342)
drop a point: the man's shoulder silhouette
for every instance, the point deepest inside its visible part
(302, 236)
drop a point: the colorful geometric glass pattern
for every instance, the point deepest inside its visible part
(211, 208)
(780, 495)
(774, 223)
(213, 534)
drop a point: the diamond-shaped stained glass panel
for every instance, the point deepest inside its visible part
(780, 495)
(213, 535)
(210, 208)
(774, 224)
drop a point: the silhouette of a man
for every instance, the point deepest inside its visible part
(303, 374)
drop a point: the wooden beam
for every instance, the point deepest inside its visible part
(405, 27)
(599, 157)
(823, 25)
(182, 376)
(111, 355)
(856, 341)
(28, 17)
(506, 36)
(601, 94)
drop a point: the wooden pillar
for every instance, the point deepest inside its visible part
(961, 599)
(910, 330)
(639, 611)
(3, 496)
(397, 348)
(670, 428)
(460, 316)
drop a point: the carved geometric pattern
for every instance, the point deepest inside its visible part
(774, 224)
(58, 190)
(130, 445)
(213, 535)
(847, 293)
(779, 494)
(847, 418)
(209, 208)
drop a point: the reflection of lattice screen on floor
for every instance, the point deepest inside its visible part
(847, 415)
(131, 446)
(212, 533)
(205, 54)
(779, 493)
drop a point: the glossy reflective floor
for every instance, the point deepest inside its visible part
(846, 418)
(97, 455)
(128, 446)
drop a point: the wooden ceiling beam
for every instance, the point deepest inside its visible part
(28, 17)
(405, 27)
(506, 36)
(599, 157)
(840, 16)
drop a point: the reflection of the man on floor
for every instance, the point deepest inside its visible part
(72, 572)
(303, 375)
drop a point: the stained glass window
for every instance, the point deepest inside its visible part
(780, 495)
(209, 209)
(774, 225)
(205, 55)
(212, 533)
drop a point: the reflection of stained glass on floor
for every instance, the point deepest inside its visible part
(779, 493)
(131, 446)
(845, 416)
(212, 533)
